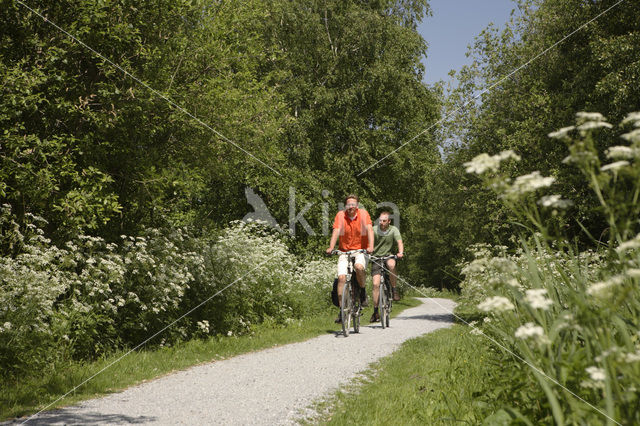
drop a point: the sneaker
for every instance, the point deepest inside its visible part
(364, 302)
(339, 319)
(375, 317)
(396, 295)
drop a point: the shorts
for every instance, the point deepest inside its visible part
(376, 269)
(343, 262)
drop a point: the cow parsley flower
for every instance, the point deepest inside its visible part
(631, 244)
(536, 298)
(583, 116)
(531, 331)
(562, 133)
(633, 117)
(484, 162)
(496, 304)
(633, 136)
(529, 183)
(592, 125)
(596, 374)
(621, 152)
(554, 201)
(603, 289)
(615, 166)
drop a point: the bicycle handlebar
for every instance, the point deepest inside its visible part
(338, 252)
(389, 256)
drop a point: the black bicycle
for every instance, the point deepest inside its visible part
(385, 298)
(350, 307)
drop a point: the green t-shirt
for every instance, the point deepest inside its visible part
(384, 241)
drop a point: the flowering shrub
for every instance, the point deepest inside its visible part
(574, 318)
(91, 296)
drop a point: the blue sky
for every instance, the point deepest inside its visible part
(452, 28)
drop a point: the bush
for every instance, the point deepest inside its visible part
(92, 297)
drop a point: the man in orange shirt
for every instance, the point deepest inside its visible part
(354, 228)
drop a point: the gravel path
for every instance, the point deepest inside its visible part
(267, 387)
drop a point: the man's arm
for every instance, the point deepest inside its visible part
(400, 249)
(334, 238)
(370, 235)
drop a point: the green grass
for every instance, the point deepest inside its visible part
(32, 394)
(444, 377)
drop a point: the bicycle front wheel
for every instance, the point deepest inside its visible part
(357, 309)
(387, 307)
(346, 308)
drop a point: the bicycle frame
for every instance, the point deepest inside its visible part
(350, 309)
(385, 295)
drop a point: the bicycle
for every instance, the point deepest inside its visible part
(385, 298)
(350, 308)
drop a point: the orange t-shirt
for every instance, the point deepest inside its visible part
(353, 233)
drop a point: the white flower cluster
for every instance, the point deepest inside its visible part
(528, 183)
(603, 289)
(496, 304)
(554, 201)
(537, 299)
(531, 331)
(629, 245)
(484, 162)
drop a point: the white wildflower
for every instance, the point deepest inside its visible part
(562, 133)
(529, 183)
(629, 245)
(530, 330)
(554, 201)
(633, 117)
(632, 273)
(583, 116)
(597, 374)
(229, 333)
(579, 157)
(496, 304)
(633, 136)
(536, 298)
(592, 125)
(476, 331)
(621, 152)
(484, 162)
(615, 166)
(632, 357)
(604, 288)
(203, 326)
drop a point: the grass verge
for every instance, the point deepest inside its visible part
(444, 377)
(34, 393)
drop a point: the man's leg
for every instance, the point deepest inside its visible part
(391, 265)
(341, 280)
(376, 295)
(362, 282)
(376, 290)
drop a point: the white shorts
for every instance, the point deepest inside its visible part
(343, 262)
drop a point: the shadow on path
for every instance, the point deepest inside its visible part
(428, 317)
(68, 417)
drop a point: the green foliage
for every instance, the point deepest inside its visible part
(593, 69)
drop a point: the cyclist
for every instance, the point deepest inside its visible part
(354, 228)
(385, 235)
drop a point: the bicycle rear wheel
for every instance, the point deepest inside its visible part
(382, 303)
(388, 302)
(346, 308)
